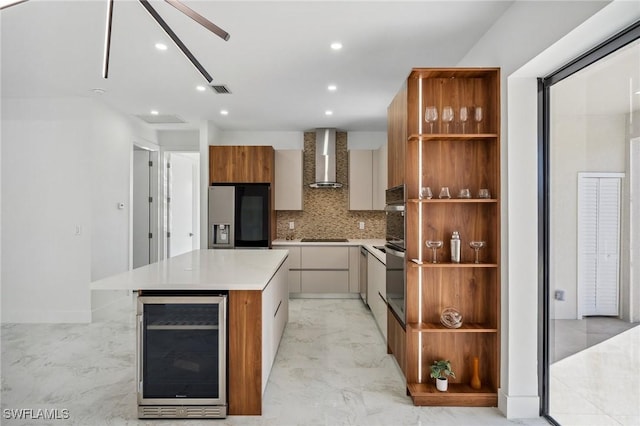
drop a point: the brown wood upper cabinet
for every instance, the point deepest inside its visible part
(241, 164)
(397, 138)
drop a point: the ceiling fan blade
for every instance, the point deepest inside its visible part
(7, 4)
(107, 40)
(176, 40)
(199, 19)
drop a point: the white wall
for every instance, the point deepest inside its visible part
(366, 140)
(578, 144)
(111, 140)
(46, 268)
(530, 40)
(179, 140)
(277, 139)
(65, 165)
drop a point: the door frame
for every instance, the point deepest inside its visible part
(610, 45)
(154, 192)
(164, 207)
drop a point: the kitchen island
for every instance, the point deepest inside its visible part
(256, 282)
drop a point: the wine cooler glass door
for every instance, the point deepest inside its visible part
(182, 359)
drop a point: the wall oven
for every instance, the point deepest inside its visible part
(395, 251)
(181, 355)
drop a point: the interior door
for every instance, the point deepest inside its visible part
(599, 243)
(141, 208)
(183, 205)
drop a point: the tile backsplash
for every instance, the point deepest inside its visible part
(326, 211)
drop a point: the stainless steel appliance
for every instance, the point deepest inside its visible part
(364, 260)
(395, 251)
(239, 215)
(326, 159)
(181, 355)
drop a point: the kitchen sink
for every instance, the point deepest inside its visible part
(324, 240)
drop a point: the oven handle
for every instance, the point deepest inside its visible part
(394, 252)
(394, 208)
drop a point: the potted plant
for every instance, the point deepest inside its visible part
(439, 371)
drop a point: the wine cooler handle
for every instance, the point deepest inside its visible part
(140, 355)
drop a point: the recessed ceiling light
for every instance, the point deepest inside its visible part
(336, 45)
(98, 91)
(328, 112)
(332, 87)
(638, 92)
(154, 112)
(200, 88)
(161, 46)
(224, 112)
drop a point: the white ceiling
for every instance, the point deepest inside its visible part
(277, 62)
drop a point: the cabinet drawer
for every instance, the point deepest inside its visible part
(294, 282)
(325, 258)
(294, 257)
(293, 260)
(379, 311)
(325, 281)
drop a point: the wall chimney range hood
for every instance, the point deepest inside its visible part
(326, 159)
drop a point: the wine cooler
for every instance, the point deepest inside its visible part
(181, 355)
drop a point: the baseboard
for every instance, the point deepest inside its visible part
(324, 295)
(518, 407)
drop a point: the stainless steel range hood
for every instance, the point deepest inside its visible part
(326, 159)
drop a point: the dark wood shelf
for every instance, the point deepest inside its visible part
(457, 394)
(452, 200)
(451, 136)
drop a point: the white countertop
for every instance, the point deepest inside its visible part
(369, 244)
(201, 270)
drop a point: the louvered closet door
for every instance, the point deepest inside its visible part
(598, 243)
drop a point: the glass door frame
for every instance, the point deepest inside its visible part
(621, 39)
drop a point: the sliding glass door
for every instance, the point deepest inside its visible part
(590, 241)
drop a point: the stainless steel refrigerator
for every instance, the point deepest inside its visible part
(239, 215)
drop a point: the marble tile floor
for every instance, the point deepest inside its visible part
(572, 336)
(331, 369)
(600, 385)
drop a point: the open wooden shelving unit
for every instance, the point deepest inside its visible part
(457, 160)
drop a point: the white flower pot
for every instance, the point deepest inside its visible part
(442, 384)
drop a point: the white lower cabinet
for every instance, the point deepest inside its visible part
(275, 314)
(324, 281)
(377, 292)
(318, 271)
(295, 281)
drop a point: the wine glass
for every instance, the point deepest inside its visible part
(484, 193)
(425, 192)
(431, 116)
(464, 116)
(447, 116)
(444, 192)
(477, 245)
(434, 245)
(478, 116)
(464, 193)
